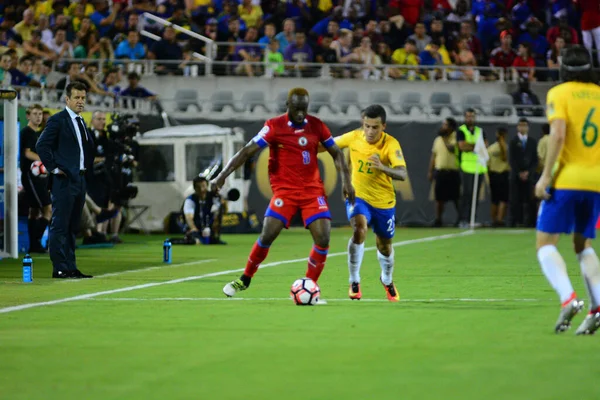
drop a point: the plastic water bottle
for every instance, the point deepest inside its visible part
(167, 251)
(27, 269)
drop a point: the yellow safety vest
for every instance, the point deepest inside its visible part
(468, 159)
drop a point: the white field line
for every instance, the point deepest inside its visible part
(210, 275)
(209, 299)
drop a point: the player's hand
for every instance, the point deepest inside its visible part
(541, 186)
(430, 176)
(217, 183)
(376, 162)
(348, 191)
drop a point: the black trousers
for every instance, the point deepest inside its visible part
(68, 199)
(521, 199)
(466, 199)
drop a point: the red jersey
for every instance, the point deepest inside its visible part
(590, 14)
(293, 166)
(499, 58)
(411, 10)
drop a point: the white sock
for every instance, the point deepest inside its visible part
(355, 257)
(387, 267)
(590, 269)
(555, 269)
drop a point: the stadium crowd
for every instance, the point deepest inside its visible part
(524, 34)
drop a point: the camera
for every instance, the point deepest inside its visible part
(122, 131)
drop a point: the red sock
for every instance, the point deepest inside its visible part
(257, 255)
(316, 262)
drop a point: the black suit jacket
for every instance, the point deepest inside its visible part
(522, 159)
(58, 146)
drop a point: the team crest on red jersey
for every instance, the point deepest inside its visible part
(278, 202)
(302, 141)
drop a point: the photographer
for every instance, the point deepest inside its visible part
(102, 187)
(203, 211)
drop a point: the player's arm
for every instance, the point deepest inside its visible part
(239, 159)
(31, 155)
(340, 163)
(397, 168)
(342, 142)
(431, 167)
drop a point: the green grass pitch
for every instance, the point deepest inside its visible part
(475, 322)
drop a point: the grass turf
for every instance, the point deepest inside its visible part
(168, 342)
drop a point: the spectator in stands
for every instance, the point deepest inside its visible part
(537, 42)
(59, 45)
(111, 81)
(526, 101)
(103, 18)
(420, 37)
(553, 57)
(61, 21)
(299, 53)
(166, 49)
(464, 58)
(323, 26)
(86, 28)
(394, 31)
(560, 29)
(134, 90)
(287, 36)
(385, 53)
(522, 154)
(371, 32)
(460, 14)
(248, 54)
(133, 22)
(118, 30)
(590, 24)
(5, 77)
(78, 15)
(524, 65)
(43, 27)
(73, 74)
(35, 47)
(324, 54)
(369, 59)
(437, 30)
(210, 30)
(251, 14)
(131, 48)
(270, 33)
(405, 56)
(15, 43)
(274, 60)
(431, 57)
(411, 10)
(19, 74)
(503, 56)
(466, 32)
(343, 52)
(26, 27)
(41, 70)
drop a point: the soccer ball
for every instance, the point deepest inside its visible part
(38, 169)
(305, 292)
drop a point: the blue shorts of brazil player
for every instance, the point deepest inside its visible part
(569, 211)
(383, 220)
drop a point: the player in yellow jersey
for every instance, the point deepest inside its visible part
(376, 158)
(570, 186)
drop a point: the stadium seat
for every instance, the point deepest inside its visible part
(472, 100)
(318, 100)
(439, 100)
(220, 99)
(410, 100)
(184, 98)
(280, 101)
(347, 98)
(502, 105)
(383, 98)
(252, 99)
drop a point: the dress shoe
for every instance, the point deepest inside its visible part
(77, 274)
(61, 275)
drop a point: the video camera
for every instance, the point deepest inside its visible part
(122, 131)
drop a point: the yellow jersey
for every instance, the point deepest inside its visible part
(579, 161)
(373, 186)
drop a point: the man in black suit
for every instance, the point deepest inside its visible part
(523, 159)
(67, 150)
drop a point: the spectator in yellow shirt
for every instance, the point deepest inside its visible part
(405, 56)
(252, 15)
(26, 27)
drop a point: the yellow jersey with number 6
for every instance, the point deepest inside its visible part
(372, 185)
(579, 162)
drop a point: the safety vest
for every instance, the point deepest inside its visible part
(468, 159)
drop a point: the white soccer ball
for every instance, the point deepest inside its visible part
(38, 169)
(305, 292)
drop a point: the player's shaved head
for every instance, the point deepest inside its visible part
(297, 104)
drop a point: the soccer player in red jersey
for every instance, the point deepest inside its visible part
(294, 140)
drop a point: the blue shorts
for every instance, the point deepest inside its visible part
(569, 211)
(383, 220)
